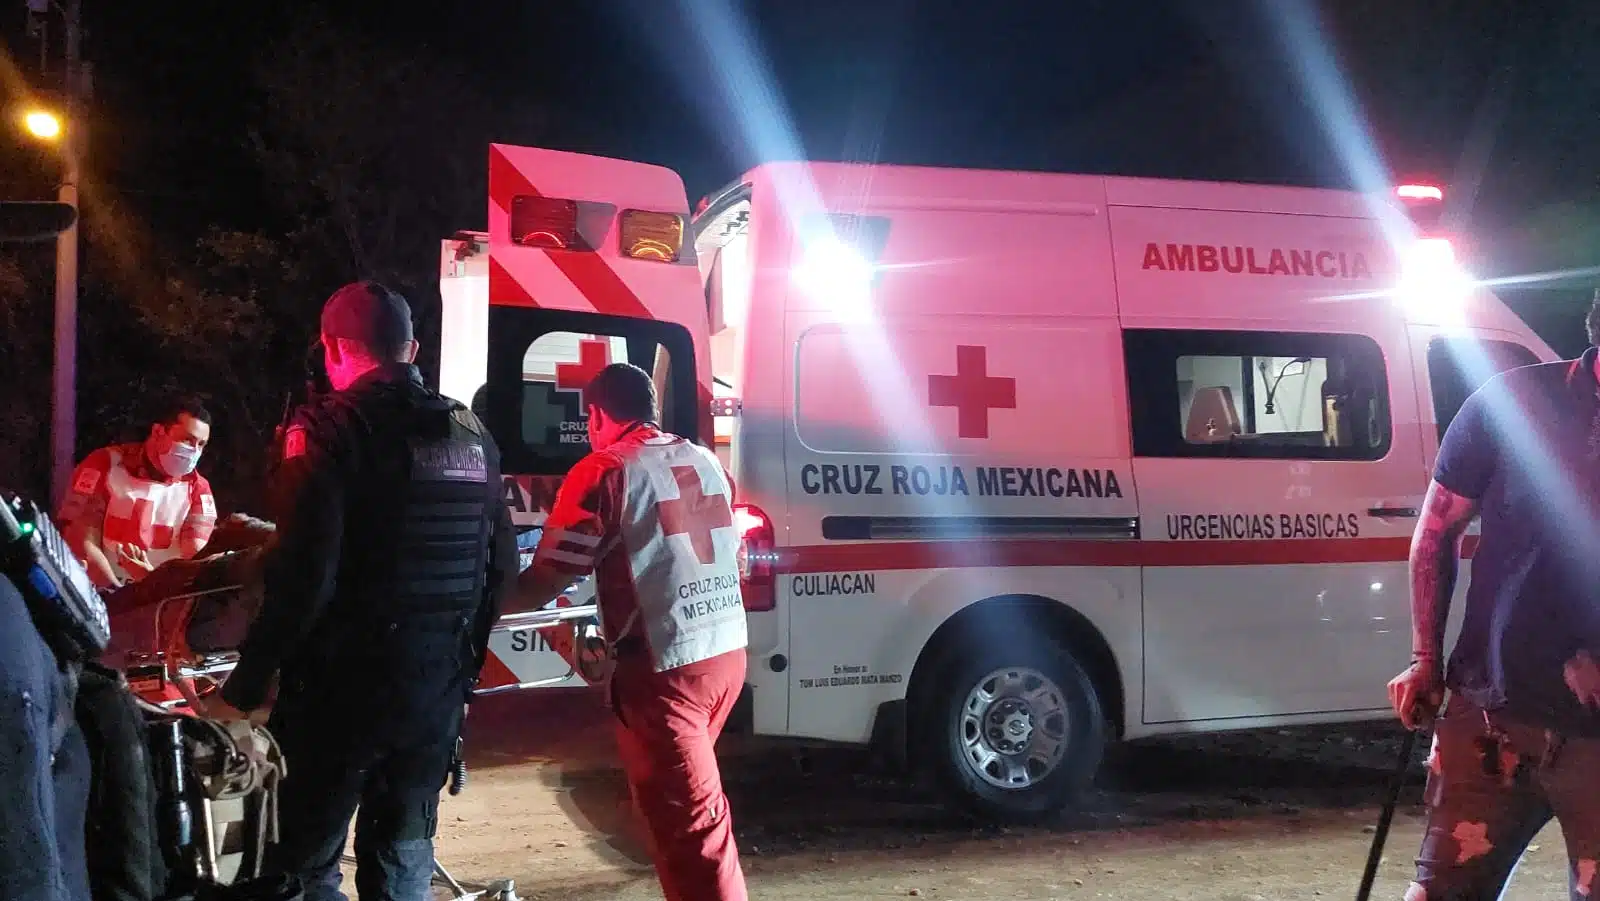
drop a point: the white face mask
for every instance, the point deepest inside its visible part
(179, 460)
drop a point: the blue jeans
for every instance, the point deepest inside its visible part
(390, 786)
(44, 787)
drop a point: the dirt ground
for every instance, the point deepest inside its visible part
(1287, 814)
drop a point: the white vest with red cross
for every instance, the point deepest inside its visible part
(682, 551)
(148, 513)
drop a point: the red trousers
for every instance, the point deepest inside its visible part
(667, 731)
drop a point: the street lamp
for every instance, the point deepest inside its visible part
(42, 124)
(48, 126)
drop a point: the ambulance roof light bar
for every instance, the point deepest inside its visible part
(583, 226)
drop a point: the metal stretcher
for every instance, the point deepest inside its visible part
(173, 678)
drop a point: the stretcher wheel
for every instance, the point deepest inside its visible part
(1014, 729)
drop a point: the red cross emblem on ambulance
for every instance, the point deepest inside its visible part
(593, 356)
(972, 391)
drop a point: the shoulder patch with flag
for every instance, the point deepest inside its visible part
(88, 480)
(294, 442)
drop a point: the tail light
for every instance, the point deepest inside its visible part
(757, 558)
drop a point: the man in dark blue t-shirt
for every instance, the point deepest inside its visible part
(1520, 739)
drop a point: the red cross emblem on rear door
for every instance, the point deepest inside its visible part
(695, 513)
(972, 391)
(593, 356)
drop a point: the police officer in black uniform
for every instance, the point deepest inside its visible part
(394, 545)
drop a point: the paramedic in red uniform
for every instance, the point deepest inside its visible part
(132, 507)
(1520, 738)
(649, 514)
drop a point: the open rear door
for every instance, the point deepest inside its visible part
(587, 262)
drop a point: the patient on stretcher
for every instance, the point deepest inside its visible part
(193, 607)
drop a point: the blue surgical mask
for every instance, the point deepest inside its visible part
(179, 460)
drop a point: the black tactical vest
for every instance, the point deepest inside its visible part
(420, 486)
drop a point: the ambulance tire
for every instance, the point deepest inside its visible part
(1085, 730)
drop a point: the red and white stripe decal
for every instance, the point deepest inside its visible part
(495, 674)
(593, 277)
(892, 556)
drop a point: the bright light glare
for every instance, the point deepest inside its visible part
(1433, 286)
(834, 271)
(41, 124)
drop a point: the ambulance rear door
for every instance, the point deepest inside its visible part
(1452, 362)
(1275, 448)
(587, 263)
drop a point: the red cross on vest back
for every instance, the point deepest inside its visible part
(593, 356)
(695, 513)
(972, 391)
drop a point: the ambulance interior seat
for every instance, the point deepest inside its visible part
(1213, 416)
(1347, 412)
(1335, 430)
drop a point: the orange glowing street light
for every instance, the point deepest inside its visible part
(42, 124)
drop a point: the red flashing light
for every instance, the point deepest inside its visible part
(1419, 192)
(556, 224)
(757, 558)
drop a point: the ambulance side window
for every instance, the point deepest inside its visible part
(1261, 395)
(534, 400)
(1459, 366)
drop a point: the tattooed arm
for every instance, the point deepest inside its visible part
(1466, 464)
(1435, 554)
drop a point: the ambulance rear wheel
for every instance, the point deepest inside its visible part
(1019, 730)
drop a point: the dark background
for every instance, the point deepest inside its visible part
(245, 159)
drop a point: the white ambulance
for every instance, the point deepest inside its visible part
(1025, 463)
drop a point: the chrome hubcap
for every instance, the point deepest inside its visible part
(1014, 727)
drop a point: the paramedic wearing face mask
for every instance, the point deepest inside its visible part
(132, 507)
(649, 514)
(1519, 740)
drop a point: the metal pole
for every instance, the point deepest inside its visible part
(63, 397)
(1386, 815)
(64, 391)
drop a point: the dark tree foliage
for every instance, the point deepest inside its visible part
(380, 153)
(375, 153)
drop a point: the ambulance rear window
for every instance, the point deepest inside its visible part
(539, 364)
(1275, 395)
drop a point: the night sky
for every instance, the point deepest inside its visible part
(1503, 97)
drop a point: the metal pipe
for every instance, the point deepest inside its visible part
(539, 619)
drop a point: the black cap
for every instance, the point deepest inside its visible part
(368, 313)
(624, 391)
